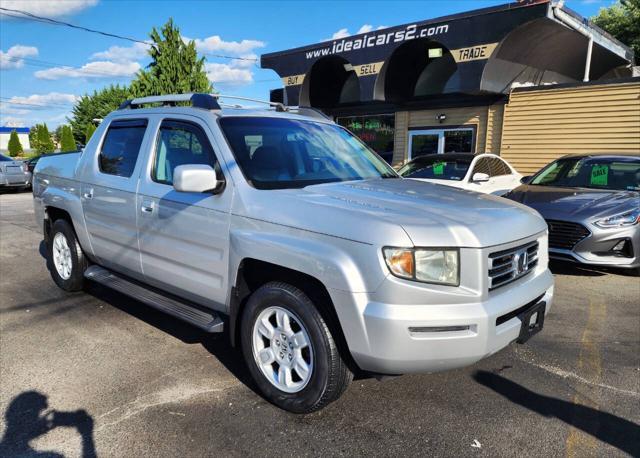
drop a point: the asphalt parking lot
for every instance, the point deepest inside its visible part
(97, 373)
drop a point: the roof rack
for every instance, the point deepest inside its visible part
(205, 101)
(211, 102)
(277, 105)
(309, 111)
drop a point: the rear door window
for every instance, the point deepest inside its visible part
(121, 147)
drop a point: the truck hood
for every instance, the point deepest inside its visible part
(401, 212)
(575, 204)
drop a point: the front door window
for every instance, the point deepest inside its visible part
(437, 141)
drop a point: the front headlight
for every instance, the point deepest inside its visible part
(622, 220)
(427, 265)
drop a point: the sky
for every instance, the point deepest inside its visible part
(44, 68)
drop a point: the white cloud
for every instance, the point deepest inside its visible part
(123, 53)
(98, 69)
(215, 44)
(12, 121)
(344, 32)
(13, 57)
(47, 8)
(228, 74)
(55, 98)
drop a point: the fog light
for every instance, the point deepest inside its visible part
(619, 246)
(623, 248)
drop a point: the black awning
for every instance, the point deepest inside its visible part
(486, 51)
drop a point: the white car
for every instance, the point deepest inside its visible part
(486, 173)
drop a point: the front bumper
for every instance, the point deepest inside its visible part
(595, 249)
(382, 341)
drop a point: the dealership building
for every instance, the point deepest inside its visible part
(530, 80)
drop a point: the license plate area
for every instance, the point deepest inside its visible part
(532, 321)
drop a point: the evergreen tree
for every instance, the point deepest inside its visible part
(175, 67)
(45, 143)
(33, 137)
(95, 106)
(91, 128)
(15, 147)
(67, 142)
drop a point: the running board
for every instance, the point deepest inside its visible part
(200, 317)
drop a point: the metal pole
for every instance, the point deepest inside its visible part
(587, 64)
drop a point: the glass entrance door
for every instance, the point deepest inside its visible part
(438, 141)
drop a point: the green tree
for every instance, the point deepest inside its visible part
(95, 106)
(33, 137)
(67, 142)
(57, 134)
(622, 20)
(91, 128)
(15, 147)
(175, 67)
(44, 142)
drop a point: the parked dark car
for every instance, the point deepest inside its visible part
(592, 206)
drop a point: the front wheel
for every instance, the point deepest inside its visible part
(290, 351)
(67, 261)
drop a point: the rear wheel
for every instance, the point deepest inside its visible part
(67, 261)
(290, 351)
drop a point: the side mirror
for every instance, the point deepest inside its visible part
(480, 177)
(526, 180)
(195, 178)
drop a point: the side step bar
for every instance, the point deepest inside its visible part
(198, 316)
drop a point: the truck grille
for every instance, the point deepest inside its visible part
(565, 235)
(509, 265)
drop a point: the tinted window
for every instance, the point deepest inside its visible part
(180, 143)
(5, 158)
(498, 167)
(121, 147)
(458, 141)
(437, 168)
(483, 166)
(592, 172)
(275, 153)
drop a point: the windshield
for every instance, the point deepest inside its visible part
(437, 168)
(5, 158)
(592, 172)
(277, 153)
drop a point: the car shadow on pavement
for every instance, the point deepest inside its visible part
(27, 418)
(218, 344)
(606, 427)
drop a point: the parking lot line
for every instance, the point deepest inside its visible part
(580, 443)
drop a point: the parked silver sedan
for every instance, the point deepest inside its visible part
(592, 206)
(13, 174)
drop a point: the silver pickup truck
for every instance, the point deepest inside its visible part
(285, 229)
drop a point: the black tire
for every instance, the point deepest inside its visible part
(330, 376)
(79, 262)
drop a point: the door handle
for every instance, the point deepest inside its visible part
(88, 194)
(147, 207)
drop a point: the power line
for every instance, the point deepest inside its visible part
(68, 24)
(50, 21)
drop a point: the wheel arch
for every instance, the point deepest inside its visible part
(253, 273)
